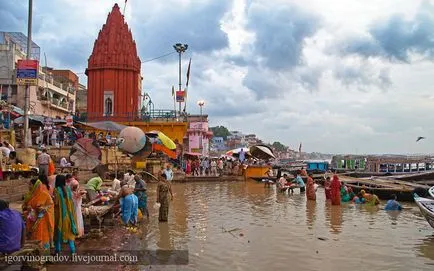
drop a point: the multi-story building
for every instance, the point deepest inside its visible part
(218, 144)
(81, 99)
(54, 95)
(198, 135)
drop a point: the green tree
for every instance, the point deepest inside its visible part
(220, 131)
(279, 146)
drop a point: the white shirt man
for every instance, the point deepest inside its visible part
(169, 173)
(64, 162)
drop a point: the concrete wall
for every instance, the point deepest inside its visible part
(13, 190)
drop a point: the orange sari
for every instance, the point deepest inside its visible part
(40, 229)
(310, 189)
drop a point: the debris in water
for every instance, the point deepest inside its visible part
(317, 252)
(241, 234)
(248, 241)
(322, 238)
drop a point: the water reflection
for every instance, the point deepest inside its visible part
(426, 248)
(244, 226)
(333, 214)
(310, 213)
(164, 241)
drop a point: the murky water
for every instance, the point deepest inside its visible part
(281, 232)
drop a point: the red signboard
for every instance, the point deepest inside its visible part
(180, 96)
(30, 64)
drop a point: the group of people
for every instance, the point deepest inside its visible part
(56, 136)
(51, 215)
(335, 191)
(212, 167)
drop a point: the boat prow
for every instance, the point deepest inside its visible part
(426, 207)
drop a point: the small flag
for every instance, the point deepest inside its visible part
(188, 72)
(299, 148)
(173, 91)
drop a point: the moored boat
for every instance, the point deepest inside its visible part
(382, 188)
(426, 207)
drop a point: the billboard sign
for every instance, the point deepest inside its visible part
(180, 96)
(27, 72)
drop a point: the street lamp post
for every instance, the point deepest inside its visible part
(180, 48)
(27, 90)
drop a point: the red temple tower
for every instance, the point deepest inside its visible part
(114, 80)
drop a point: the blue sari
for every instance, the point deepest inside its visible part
(129, 208)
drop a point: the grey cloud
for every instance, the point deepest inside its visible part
(362, 76)
(396, 38)
(13, 16)
(197, 24)
(264, 84)
(280, 31)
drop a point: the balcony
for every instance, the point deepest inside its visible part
(155, 115)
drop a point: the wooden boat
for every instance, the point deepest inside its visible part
(427, 175)
(426, 207)
(384, 189)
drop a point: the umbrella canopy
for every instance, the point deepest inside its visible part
(262, 152)
(85, 154)
(164, 139)
(106, 125)
(38, 118)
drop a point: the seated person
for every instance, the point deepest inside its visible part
(64, 162)
(12, 229)
(392, 204)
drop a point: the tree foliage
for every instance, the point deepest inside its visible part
(220, 131)
(279, 146)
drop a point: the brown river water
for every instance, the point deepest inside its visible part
(244, 226)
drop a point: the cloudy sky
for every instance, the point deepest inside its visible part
(341, 76)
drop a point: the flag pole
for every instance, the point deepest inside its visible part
(174, 99)
(125, 6)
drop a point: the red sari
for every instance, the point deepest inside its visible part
(327, 189)
(335, 192)
(310, 189)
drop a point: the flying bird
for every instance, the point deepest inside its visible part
(420, 138)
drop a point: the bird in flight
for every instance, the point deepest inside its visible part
(420, 138)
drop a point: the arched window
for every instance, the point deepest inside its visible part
(108, 104)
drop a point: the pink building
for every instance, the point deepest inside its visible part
(198, 136)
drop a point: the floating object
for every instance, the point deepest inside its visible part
(426, 207)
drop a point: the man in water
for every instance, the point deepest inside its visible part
(392, 204)
(169, 173)
(299, 182)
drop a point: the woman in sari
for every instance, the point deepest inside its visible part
(310, 188)
(140, 192)
(64, 213)
(38, 209)
(77, 197)
(345, 197)
(163, 190)
(370, 199)
(335, 188)
(129, 206)
(327, 188)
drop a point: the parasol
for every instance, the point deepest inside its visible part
(131, 139)
(85, 154)
(261, 152)
(106, 125)
(164, 139)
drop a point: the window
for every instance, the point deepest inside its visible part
(108, 103)
(108, 107)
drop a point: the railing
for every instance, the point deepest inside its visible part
(155, 115)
